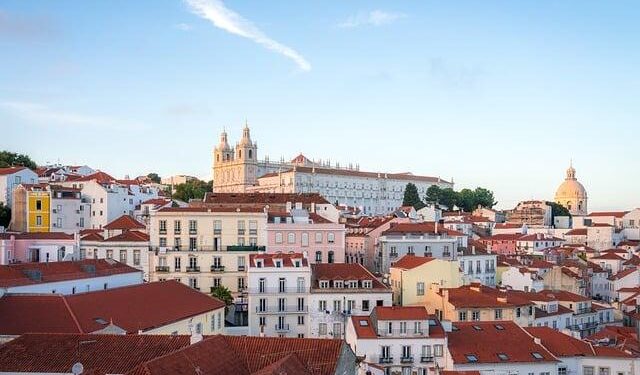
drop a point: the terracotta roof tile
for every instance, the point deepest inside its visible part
(409, 262)
(129, 236)
(124, 222)
(617, 214)
(400, 313)
(559, 344)
(343, 271)
(10, 170)
(286, 258)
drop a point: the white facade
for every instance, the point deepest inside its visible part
(68, 212)
(478, 266)
(10, 178)
(392, 247)
(83, 285)
(132, 253)
(278, 295)
(519, 278)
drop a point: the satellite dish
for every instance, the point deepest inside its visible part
(77, 368)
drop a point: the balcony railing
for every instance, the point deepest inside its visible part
(241, 232)
(241, 267)
(385, 360)
(426, 359)
(583, 311)
(177, 231)
(446, 254)
(162, 268)
(217, 268)
(582, 326)
(193, 231)
(406, 359)
(193, 269)
(162, 231)
(246, 248)
(401, 333)
(393, 255)
(294, 309)
(282, 328)
(278, 290)
(177, 269)
(217, 231)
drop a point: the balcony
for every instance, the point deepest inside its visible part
(177, 269)
(162, 268)
(583, 311)
(426, 359)
(293, 309)
(401, 333)
(406, 359)
(162, 231)
(582, 326)
(177, 231)
(393, 255)
(241, 268)
(241, 232)
(428, 254)
(385, 360)
(193, 231)
(217, 268)
(253, 232)
(193, 269)
(217, 231)
(246, 248)
(446, 254)
(282, 328)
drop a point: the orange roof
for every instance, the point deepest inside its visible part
(400, 313)
(10, 170)
(476, 295)
(409, 262)
(124, 222)
(577, 232)
(99, 177)
(486, 342)
(129, 236)
(609, 256)
(286, 258)
(623, 274)
(559, 344)
(617, 214)
(343, 271)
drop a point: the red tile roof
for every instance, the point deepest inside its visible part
(16, 274)
(129, 236)
(577, 232)
(609, 256)
(286, 258)
(563, 295)
(133, 308)
(409, 262)
(617, 214)
(539, 237)
(99, 177)
(99, 354)
(343, 271)
(476, 295)
(38, 236)
(124, 222)
(92, 237)
(347, 172)
(559, 344)
(622, 274)
(10, 170)
(503, 237)
(363, 326)
(400, 313)
(508, 226)
(485, 340)
(210, 209)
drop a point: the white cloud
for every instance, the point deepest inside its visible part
(183, 27)
(41, 114)
(373, 18)
(232, 22)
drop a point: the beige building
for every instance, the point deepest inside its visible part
(411, 276)
(572, 194)
(476, 302)
(207, 247)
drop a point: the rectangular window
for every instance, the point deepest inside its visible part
(162, 241)
(304, 238)
(365, 305)
(588, 370)
(217, 227)
(318, 237)
(498, 314)
(322, 329)
(39, 220)
(193, 227)
(462, 316)
(177, 227)
(136, 257)
(38, 205)
(282, 285)
(438, 350)
(109, 254)
(278, 237)
(193, 243)
(331, 237)
(241, 228)
(123, 256)
(475, 315)
(162, 226)
(420, 288)
(253, 227)
(291, 238)
(322, 305)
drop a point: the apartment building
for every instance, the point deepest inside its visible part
(411, 275)
(278, 294)
(398, 340)
(338, 291)
(426, 239)
(206, 248)
(37, 247)
(299, 230)
(10, 178)
(477, 265)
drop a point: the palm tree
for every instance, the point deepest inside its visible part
(223, 294)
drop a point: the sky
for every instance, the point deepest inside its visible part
(499, 94)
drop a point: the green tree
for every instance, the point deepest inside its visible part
(558, 210)
(434, 192)
(411, 197)
(483, 197)
(466, 200)
(5, 215)
(194, 189)
(8, 159)
(154, 177)
(222, 293)
(448, 198)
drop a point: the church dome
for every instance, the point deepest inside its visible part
(572, 194)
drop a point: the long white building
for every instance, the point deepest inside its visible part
(239, 170)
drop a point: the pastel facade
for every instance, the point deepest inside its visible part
(10, 178)
(411, 276)
(37, 247)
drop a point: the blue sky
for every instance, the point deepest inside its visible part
(492, 93)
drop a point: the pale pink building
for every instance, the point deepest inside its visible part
(36, 247)
(302, 232)
(504, 243)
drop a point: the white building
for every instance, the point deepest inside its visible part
(239, 170)
(278, 294)
(339, 291)
(66, 277)
(536, 242)
(401, 340)
(522, 278)
(477, 265)
(10, 178)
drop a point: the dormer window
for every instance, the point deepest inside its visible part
(278, 264)
(367, 284)
(259, 263)
(338, 284)
(324, 284)
(296, 263)
(352, 284)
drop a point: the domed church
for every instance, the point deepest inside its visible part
(572, 194)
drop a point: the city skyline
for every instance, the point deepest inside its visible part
(499, 96)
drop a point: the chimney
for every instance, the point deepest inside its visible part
(195, 337)
(537, 341)
(475, 286)
(436, 227)
(473, 249)
(288, 208)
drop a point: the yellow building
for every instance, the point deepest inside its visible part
(411, 276)
(476, 302)
(31, 211)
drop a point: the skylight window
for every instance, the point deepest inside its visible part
(477, 328)
(471, 358)
(537, 355)
(100, 321)
(499, 327)
(364, 323)
(503, 357)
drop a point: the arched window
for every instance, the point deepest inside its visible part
(250, 154)
(330, 257)
(240, 154)
(318, 256)
(217, 158)
(569, 205)
(580, 205)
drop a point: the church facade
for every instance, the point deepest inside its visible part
(238, 169)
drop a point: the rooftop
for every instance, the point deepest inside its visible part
(286, 259)
(343, 271)
(409, 262)
(124, 222)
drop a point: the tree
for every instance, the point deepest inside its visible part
(8, 159)
(466, 200)
(194, 189)
(484, 198)
(222, 293)
(558, 210)
(154, 177)
(448, 198)
(433, 194)
(411, 197)
(5, 215)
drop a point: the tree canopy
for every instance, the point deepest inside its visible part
(411, 197)
(222, 293)
(8, 159)
(465, 199)
(194, 189)
(154, 177)
(558, 209)
(5, 215)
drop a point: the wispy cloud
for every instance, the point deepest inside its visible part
(44, 115)
(183, 27)
(232, 22)
(373, 18)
